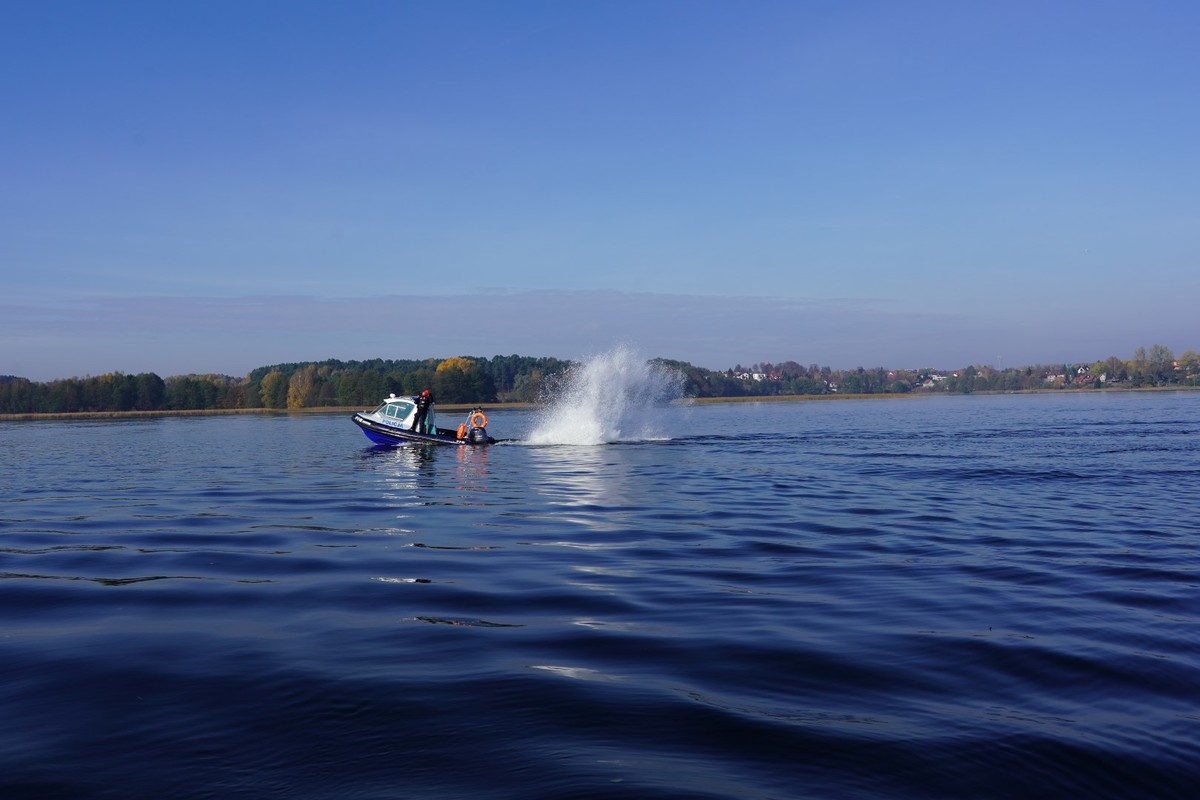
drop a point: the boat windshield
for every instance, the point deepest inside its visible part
(395, 411)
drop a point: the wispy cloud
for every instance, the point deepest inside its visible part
(175, 335)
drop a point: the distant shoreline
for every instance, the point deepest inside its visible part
(206, 412)
(903, 395)
(462, 407)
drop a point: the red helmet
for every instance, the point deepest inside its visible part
(425, 393)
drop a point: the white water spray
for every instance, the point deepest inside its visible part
(615, 396)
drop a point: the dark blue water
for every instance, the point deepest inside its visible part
(945, 598)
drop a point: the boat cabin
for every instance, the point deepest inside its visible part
(398, 411)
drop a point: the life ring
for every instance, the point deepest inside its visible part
(478, 420)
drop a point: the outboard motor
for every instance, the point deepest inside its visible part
(477, 436)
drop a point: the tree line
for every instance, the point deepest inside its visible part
(466, 379)
(309, 384)
(1153, 367)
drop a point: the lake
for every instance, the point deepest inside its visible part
(937, 597)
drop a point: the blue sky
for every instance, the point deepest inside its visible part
(215, 186)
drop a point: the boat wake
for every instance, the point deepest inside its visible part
(616, 396)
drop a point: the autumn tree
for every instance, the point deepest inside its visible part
(273, 390)
(460, 380)
(1162, 364)
(301, 387)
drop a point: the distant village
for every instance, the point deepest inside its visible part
(1080, 375)
(1155, 367)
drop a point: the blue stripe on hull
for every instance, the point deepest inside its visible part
(380, 439)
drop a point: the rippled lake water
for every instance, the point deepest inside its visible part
(929, 597)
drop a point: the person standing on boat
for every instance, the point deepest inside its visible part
(424, 400)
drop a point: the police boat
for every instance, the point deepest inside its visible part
(392, 423)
